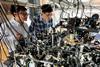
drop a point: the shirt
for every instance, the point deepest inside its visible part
(9, 36)
(39, 26)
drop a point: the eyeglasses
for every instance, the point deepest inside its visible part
(49, 14)
(23, 13)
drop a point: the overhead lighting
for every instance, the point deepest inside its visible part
(81, 0)
(85, 0)
(24, 1)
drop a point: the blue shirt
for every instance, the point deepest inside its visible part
(39, 26)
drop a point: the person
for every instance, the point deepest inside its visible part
(92, 22)
(42, 23)
(16, 30)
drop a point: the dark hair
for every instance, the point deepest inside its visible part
(46, 8)
(95, 16)
(17, 8)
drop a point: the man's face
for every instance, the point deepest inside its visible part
(22, 15)
(48, 15)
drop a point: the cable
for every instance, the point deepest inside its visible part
(83, 8)
(3, 33)
(35, 38)
(6, 19)
(13, 27)
(1, 29)
(10, 30)
(78, 4)
(20, 19)
(16, 3)
(4, 42)
(62, 9)
(90, 7)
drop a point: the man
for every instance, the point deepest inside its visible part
(16, 30)
(41, 24)
(92, 22)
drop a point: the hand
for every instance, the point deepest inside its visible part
(98, 47)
